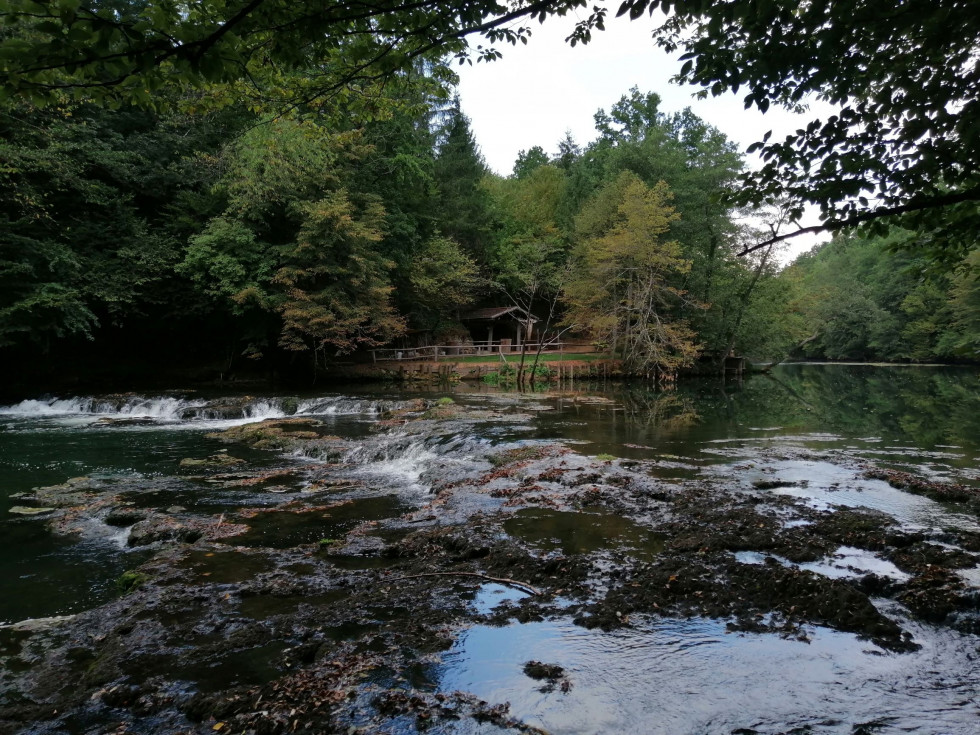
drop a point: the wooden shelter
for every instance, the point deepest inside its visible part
(511, 325)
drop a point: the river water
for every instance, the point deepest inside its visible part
(803, 431)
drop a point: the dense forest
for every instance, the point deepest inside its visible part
(219, 228)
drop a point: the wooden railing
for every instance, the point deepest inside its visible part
(470, 349)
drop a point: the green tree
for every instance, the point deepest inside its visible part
(530, 251)
(529, 160)
(621, 286)
(902, 141)
(443, 279)
(963, 337)
(464, 211)
(94, 206)
(295, 244)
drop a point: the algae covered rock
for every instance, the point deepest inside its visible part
(220, 459)
(24, 510)
(286, 435)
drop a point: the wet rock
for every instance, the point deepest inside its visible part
(718, 587)
(221, 459)
(24, 510)
(934, 594)
(772, 484)
(287, 434)
(942, 491)
(122, 517)
(73, 492)
(538, 670)
(160, 528)
(553, 674)
(920, 557)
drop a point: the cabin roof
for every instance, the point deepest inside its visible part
(494, 312)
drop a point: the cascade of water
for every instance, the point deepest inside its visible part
(177, 409)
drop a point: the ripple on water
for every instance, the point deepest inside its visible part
(823, 485)
(682, 677)
(571, 532)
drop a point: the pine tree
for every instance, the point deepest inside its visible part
(464, 205)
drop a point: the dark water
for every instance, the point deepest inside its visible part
(807, 426)
(925, 420)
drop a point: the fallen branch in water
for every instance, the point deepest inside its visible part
(523, 586)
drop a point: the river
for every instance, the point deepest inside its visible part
(793, 449)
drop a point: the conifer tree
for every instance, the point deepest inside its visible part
(464, 207)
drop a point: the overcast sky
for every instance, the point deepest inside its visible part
(538, 91)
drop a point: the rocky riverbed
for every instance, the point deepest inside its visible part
(341, 592)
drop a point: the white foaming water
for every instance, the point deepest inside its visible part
(346, 406)
(187, 412)
(165, 408)
(398, 461)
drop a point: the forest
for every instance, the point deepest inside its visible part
(231, 225)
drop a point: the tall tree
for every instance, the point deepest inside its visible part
(296, 245)
(529, 160)
(902, 142)
(464, 212)
(622, 287)
(94, 205)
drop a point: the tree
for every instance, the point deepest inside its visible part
(964, 336)
(129, 49)
(443, 278)
(94, 206)
(621, 289)
(530, 251)
(568, 152)
(529, 160)
(464, 212)
(904, 76)
(295, 249)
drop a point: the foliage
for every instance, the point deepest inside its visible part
(294, 242)
(861, 301)
(129, 49)
(443, 278)
(620, 289)
(93, 205)
(903, 77)
(464, 210)
(529, 160)
(903, 138)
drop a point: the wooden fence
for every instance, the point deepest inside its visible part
(435, 353)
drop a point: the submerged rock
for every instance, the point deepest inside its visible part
(220, 459)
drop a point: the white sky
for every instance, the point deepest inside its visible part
(538, 91)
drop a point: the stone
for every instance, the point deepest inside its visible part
(24, 510)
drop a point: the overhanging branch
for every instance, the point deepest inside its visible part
(971, 195)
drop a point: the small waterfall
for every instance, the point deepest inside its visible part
(346, 406)
(190, 411)
(399, 460)
(165, 408)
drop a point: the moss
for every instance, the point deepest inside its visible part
(129, 581)
(519, 454)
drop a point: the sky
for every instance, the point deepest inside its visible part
(538, 91)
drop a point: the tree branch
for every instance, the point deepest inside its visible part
(971, 195)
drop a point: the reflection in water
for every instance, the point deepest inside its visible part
(677, 677)
(927, 416)
(582, 532)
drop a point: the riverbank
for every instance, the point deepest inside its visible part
(372, 584)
